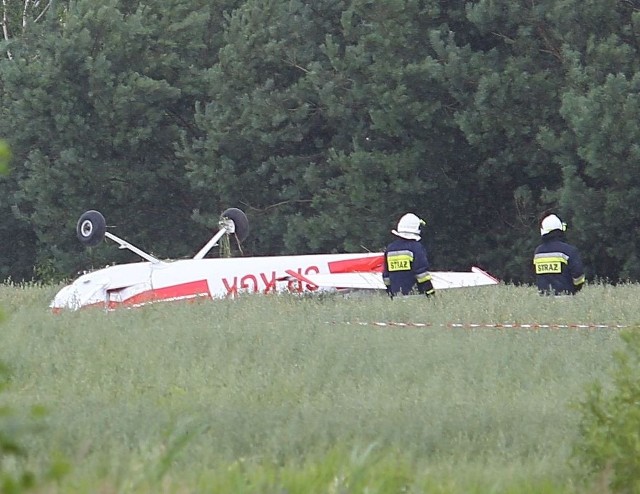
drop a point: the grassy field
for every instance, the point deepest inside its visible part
(275, 394)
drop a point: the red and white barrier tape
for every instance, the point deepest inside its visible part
(483, 325)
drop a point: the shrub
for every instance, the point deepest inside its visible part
(609, 444)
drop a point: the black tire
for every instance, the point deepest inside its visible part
(91, 228)
(240, 220)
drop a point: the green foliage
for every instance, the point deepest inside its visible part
(18, 249)
(610, 424)
(18, 17)
(328, 143)
(512, 83)
(325, 121)
(605, 179)
(5, 157)
(263, 132)
(47, 272)
(127, 77)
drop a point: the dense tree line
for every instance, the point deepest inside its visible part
(324, 121)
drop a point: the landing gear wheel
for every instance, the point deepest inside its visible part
(240, 221)
(91, 228)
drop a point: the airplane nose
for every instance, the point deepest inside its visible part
(84, 291)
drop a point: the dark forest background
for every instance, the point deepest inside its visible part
(324, 121)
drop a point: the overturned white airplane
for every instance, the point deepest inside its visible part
(154, 280)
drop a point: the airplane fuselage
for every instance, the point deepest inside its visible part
(146, 282)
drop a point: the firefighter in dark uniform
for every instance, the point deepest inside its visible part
(406, 268)
(558, 267)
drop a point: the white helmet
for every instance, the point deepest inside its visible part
(551, 223)
(409, 227)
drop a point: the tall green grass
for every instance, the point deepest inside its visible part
(306, 394)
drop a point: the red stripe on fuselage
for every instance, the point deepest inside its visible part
(360, 265)
(192, 289)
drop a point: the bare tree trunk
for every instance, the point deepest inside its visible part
(5, 26)
(22, 13)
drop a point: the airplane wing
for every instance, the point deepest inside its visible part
(373, 281)
(458, 279)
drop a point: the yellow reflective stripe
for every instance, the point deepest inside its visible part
(386, 280)
(422, 278)
(541, 259)
(579, 280)
(392, 253)
(552, 254)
